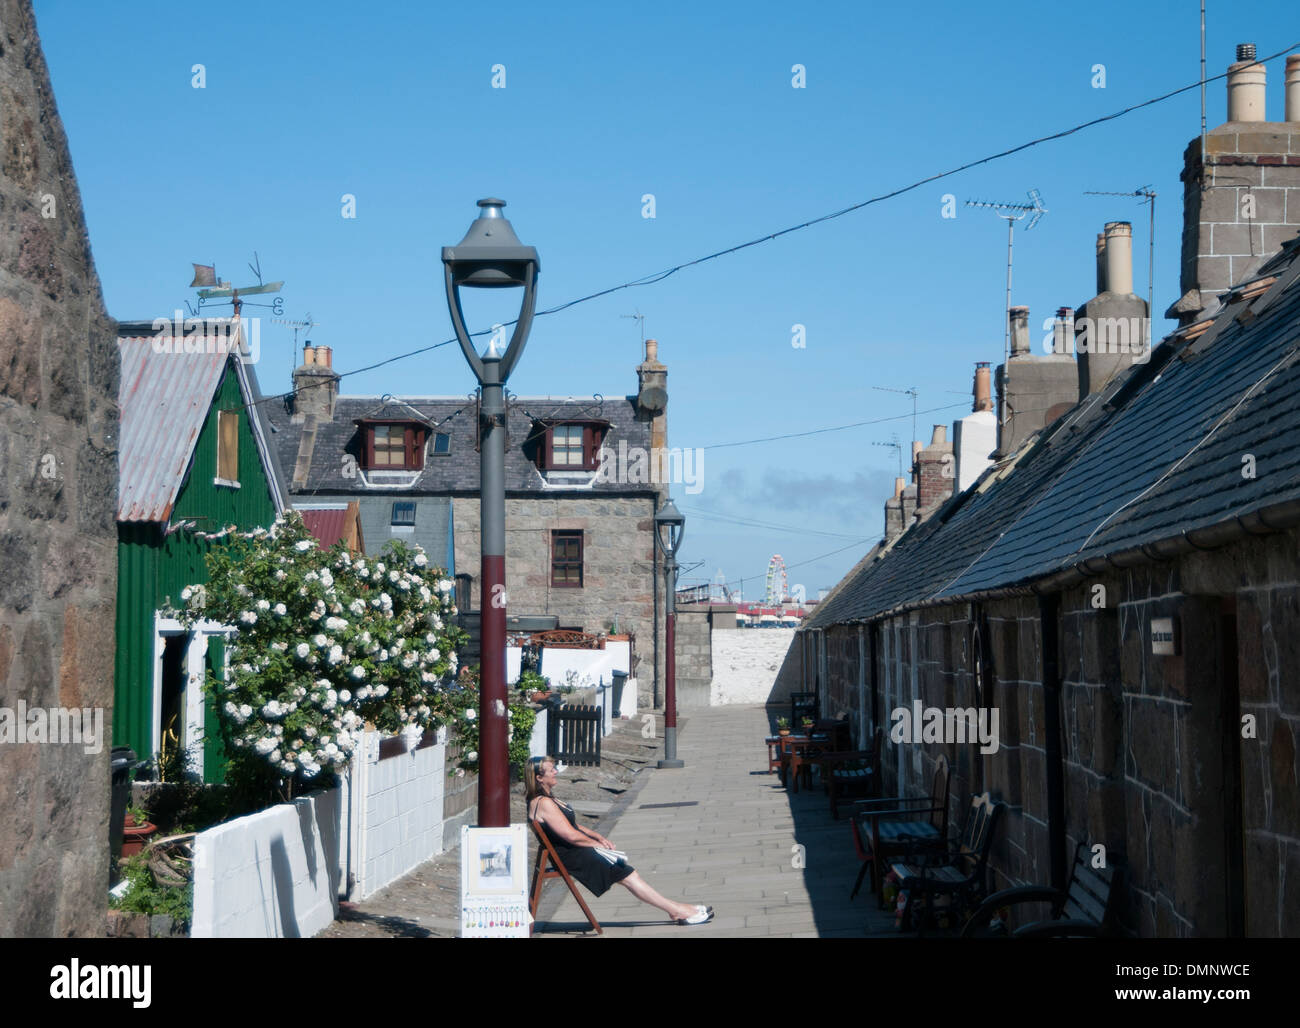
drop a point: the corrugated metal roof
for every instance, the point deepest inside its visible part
(164, 398)
(327, 524)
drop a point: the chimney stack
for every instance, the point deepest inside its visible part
(1019, 331)
(983, 397)
(1063, 331)
(1119, 257)
(1293, 88)
(1246, 86)
(315, 385)
(1249, 157)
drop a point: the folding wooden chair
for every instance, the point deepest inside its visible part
(541, 873)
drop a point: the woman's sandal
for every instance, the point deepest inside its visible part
(702, 915)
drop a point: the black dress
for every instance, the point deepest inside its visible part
(583, 862)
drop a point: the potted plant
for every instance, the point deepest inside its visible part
(783, 726)
(534, 686)
(135, 831)
(808, 725)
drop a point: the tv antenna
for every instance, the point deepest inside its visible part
(305, 325)
(220, 292)
(1146, 195)
(906, 392)
(638, 316)
(895, 444)
(1013, 212)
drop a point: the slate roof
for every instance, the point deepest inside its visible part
(1156, 454)
(164, 396)
(456, 472)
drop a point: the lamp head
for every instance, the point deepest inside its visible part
(490, 256)
(670, 526)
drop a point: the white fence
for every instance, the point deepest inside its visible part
(271, 875)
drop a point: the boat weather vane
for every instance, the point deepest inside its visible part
(215, 291)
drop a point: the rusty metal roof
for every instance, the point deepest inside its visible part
(327, 524)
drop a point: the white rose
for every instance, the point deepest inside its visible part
(302, 649)
(303, 545)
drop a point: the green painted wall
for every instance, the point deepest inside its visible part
(153, 568)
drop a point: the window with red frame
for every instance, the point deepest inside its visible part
(393, 446)
(566, 559)
(573, 446)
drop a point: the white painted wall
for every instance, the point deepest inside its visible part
(746, 662)
(397, 808)
(974, 437)
(271, 875)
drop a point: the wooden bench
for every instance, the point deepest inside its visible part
(1086, 909)
(898, 823)
(960, 873)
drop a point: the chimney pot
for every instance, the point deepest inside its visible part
(1293, 88)
(899, 483)
(652, 349)
(1063, 331)
(309, 354)
(983, 395)
(1101, 263)
(324, 357)
(1019, 331)
(939, 435)
(1246, 86)
(1119, 257)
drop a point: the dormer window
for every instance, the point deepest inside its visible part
(571, 445)
(392, 445)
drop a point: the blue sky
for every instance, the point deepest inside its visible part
(394, 104)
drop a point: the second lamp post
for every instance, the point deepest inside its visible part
(670, 526)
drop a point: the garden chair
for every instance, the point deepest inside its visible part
(898, 823)
(546, 855)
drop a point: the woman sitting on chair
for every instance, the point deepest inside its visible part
(576, 847)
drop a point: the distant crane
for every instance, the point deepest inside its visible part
(1007, 210)
(1146, 195)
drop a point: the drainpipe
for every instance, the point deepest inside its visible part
(1049, 609)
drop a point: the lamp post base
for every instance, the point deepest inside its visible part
(671, 763)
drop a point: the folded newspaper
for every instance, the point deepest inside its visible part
(613, 856)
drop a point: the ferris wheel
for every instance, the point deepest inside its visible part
(777, 584)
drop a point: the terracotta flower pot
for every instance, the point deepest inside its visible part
(783, 731)
(134, 836)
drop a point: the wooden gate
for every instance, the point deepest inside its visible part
(574, 733)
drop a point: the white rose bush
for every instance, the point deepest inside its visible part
(324, 642)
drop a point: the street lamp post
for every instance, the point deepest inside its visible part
(670, 526)
(491, 257)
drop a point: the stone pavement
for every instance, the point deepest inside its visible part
(722, 831)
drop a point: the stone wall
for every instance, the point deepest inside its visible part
(618, 563)
(1182, 766)
(694, 668)
(58, 488)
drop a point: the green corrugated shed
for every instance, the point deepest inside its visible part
(155, 564)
